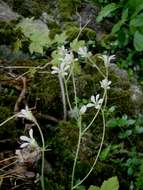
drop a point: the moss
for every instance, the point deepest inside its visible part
(7, 130)
(54, 29)
(47, 89)
(29, 8)
(68, 8)
(72, 32)
(7, 33)
(139, 182)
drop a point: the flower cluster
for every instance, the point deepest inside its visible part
(105, 83)
(26, 113)
(29, 141)
(29, 151)
(65, 59)
(107, 59)
(96, 103)
(83, 52)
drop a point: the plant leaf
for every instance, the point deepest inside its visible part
(37, 32)
(110, 184)
(105, 11)
(138, 41)
(60, 38)
(105, 153)
(118, 25)
(75, 44)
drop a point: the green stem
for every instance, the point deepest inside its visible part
(67, 95)
(98, 69)
(89, 125)
(43, 153)
(63, 96)
(99, 151)
(74, 88)
(77, 152)
(8, 119)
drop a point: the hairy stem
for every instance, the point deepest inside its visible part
(43, 153)
(98, 69)
(77, 152)
(74, 88)
(67, 95)
(63, 96)
(8, 119)
(99, 151)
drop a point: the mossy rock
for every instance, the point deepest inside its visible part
(29, 8)
(72, 32)
(8, 130)
(68, 8)
(8, 34)
(47, 89)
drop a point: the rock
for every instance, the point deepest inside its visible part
(120, 73)
(127, 93)
(6, 13)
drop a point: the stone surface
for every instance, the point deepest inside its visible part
(6, 13)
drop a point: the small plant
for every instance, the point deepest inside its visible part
(30, 142)
(64, 60)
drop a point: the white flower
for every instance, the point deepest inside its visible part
(83, 109)
(83, 52)
(62, 51)
(28, 141)
(95, 102)
(26, 113)
(61, 70)
(107, 59)
(105, 83)
(66, 58)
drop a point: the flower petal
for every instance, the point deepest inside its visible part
(31, 133)
(54, 72)
(93, 99)
(55, 68)
(24, 138)
(97, 97)
(98, 106)
(83, 109)
(89, 105)
(20, 115)
(100, 101)
(23, 145)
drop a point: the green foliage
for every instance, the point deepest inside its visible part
(72, 32)
(131, 15)
(37, 32)
(111, 183)
(120, 122)
(133, 162)
(118, 25)
(68, 8)
(105, 11)
(108, 151)
(75, 45)
(139, 180)
(126, 31)
(60, 38)
(138, 41)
